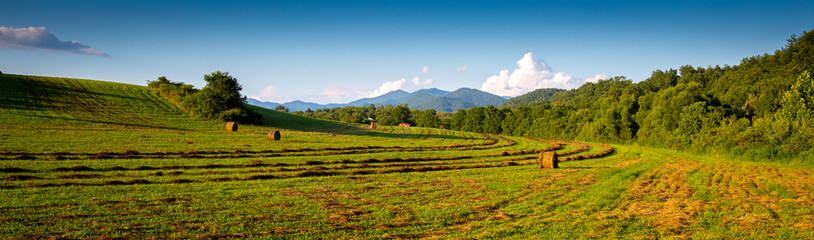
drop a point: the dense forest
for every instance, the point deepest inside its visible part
(762, 108)
(535, 97)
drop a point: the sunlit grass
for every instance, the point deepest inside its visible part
(94, 170)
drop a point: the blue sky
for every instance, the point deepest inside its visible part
(339, 51)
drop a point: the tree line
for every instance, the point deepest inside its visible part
(384, 115)
(762, 108)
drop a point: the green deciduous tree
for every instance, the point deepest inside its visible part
(457, 119)
(427, 118)
(797, 104)
(219, 99)
(400, 114)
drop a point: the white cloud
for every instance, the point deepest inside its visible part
(389, 86)
(461, 68)
(425, 69)
(529, 75)
(335, 93)
(269, 94)
(417, 81)
(41, 38)
(597, 77)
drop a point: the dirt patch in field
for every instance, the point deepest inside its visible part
(79, 168)
(763, 198)
(20, 178)
(663, 196)
(80, 176)
(74, 216)
(341, 211)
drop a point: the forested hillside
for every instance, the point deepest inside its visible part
(532, 98)
(761, 108)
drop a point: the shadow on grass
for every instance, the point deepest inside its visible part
(288, 121)
(106, 122)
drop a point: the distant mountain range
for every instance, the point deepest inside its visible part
(433, 98)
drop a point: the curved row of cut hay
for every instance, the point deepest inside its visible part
(314, 172)
(582, 147)
(261, 165)
(86, 176)
(367, 165)
(257, 164)
(297, 173)
(282, 172)
(393, 166)
(606, 150)
(130, 154)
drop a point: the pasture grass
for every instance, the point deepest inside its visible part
(91, 159)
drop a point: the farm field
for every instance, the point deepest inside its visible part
(92, 159)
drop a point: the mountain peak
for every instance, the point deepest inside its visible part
(431, 98)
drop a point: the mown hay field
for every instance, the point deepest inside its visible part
(92, 159)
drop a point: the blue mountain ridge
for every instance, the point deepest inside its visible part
(432, 98)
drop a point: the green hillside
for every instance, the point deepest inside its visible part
(462, 98)
(762, 108)
(46, 101)
(83, 159)
(116, 117)
(532, 98)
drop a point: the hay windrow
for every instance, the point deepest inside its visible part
(132, 154)
(346, 166)
(20, 178)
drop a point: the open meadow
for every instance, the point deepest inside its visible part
(92, 159)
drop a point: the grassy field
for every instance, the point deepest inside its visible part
(92, 159)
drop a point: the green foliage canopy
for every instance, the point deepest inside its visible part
(219, 99)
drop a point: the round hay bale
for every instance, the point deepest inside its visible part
(231, 126)
(548, 160)
(273, 135)
(333, 135)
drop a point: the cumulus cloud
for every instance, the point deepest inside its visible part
(335, 93)
(597, 77)
(529, 75)
(417, 81)
(270, 94)
(461, 68)
(402, 84)
(425, 69)
(41, 38)
(389, 86)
